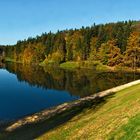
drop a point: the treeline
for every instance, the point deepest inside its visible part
(110, 44)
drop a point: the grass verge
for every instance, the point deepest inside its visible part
(118, 118)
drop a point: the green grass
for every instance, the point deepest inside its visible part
(84, 64)
(102, 68)
(12, 60)
(129, 131)
(116, 117)
(69, 65)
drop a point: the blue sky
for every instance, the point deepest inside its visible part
(20, 19)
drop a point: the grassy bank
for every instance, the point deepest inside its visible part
(95, 65)
(11, 60)
(114, 117)
(72, 65)
(118, 118)
(84, 64)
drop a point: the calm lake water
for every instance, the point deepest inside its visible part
(28, 89)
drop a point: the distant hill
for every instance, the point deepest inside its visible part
(110, 44)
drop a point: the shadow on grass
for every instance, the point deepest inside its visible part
(32, 131)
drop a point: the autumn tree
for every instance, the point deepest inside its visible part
(109, 53)
(93, 50)
(132, 53)
(104, 42)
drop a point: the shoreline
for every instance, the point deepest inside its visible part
(49, 113)
(103, 68)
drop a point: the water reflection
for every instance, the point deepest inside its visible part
(78, 82)
(28, 89)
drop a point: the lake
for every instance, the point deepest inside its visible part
(26, 89)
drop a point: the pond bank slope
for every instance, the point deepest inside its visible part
(114, 117)
(117, 118)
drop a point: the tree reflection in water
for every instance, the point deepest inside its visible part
(77, 82)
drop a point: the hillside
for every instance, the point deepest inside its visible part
(111, 44)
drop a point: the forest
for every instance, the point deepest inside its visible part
(112, 44)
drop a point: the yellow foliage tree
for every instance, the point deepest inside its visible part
(132, 53)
